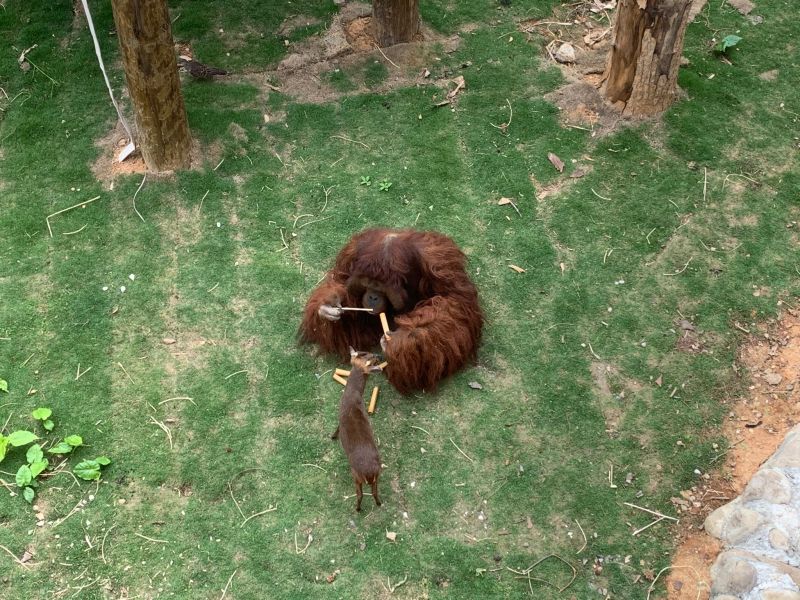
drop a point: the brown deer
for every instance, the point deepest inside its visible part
(355, 431)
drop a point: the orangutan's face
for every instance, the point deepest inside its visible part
(375, 300)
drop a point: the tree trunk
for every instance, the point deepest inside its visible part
(642, 69)
(143, 29)
(396, 21)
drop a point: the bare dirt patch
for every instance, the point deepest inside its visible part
(107, 167)
(584, 28)
(346, 46)
(755, 426)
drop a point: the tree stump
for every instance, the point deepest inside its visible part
(395, 21)
(642, 71)
(145, 37)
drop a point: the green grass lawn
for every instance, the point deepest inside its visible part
(477, 482)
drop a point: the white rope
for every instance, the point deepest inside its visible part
(127, 150)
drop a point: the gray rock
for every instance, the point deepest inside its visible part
(565, 53)
(732, 574)
(771, 485)
(779, 540)
(788, 453)
(733, 523)
(780, 595)
(773, 378)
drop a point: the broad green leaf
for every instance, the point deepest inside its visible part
(61, 448)
(103, 460)
(21, 438)
(28, 493)
(88, 470)
(3, 385)
(74, 440)
(42, 413)
(48, 425)
(24, 476)
(3, 446)
(38, 467)
(34, 454)
(729, 41)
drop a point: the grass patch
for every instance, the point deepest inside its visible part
(570, 355)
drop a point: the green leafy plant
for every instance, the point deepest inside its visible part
(90, 469)
(36, 463)
(729, 41)
(43, 414)
(384, 185)
(3, 386)
(366, 180)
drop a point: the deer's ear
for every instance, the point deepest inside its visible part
(353, 352)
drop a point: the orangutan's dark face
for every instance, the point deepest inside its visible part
(375, 300)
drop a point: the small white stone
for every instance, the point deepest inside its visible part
(131, 276)
(122, 288)
(105, 288)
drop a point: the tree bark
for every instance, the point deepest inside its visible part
(145, 37)
(396, 21)
(642, 69)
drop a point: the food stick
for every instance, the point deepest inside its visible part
(383, 365)
(342, 372)
(353, 308)
(373, 399)
(385, 325)
(340, 379)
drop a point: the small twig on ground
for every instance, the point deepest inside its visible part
(14, 556)
(119, 364)
(392, 588)
(462, 452)
(74, 232)
(297, 549)
(203, 198)
(315, 221)
(165, 429)
(230, 489)
(648, 526)
(327, 193)
(212, 288)
(585, 542)
(283, 241)
(149, 539)
(652, 512)
(178, 398)
(70, 513)
(739, 327)
(705, 183)
(27, 359)
(647, 237)
(63, 210)
(346, 139)
(134, 198)
(297, 218)
(592, 351)
(103, 544)
(78, 375)
(236, 373)
(682, 269)
(386, 57)
(258, 514)
(219, 164)
(599, 196)
(313, 465)
(225, 589)
(504, 126)
(421, 429)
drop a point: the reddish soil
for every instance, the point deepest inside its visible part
(755, 426)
